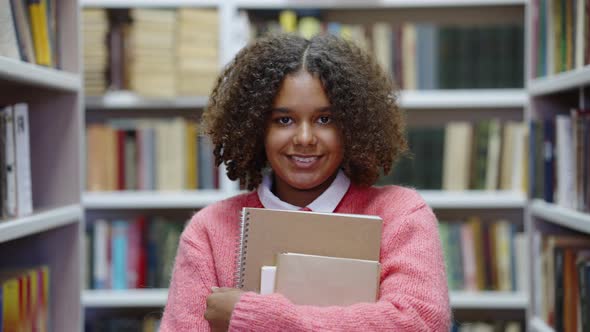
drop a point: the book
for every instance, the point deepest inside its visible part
(10, 204)
(8, 37)
(24, 191)
(326, 281)
(40, 31)
(266, 233)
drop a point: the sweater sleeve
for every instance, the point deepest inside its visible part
(413, 290)
(192, 278)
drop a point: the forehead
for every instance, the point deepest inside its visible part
(301, 90)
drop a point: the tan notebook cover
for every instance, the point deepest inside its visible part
(266, 233)
(326, 281)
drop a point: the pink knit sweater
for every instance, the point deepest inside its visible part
(413, 293)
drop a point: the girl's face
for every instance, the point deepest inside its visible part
(303, 144)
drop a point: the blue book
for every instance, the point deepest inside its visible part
(119, 243)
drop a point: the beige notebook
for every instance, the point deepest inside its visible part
(326, 281)
(266, 233)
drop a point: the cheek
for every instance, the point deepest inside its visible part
(334, 141)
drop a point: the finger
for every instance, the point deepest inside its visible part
(222, 289)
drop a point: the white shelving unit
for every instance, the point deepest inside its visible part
(40, 222)
(428, 99)
(489, 100)
(560, 82)
(153, 200)
(151, 298)
(148, 3)
(127, 101)
(29, 74)
(353, 4)
(469, 99)
(473, 199)
(549, 95)
(51, 235)
(199, 199)
(489, 300)
(134, 298)
(556, 214)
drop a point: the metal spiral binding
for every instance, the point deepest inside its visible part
(242, 249)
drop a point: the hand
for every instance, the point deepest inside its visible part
(220, 305)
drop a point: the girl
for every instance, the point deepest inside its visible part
(321, 116)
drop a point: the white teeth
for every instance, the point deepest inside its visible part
(304, 160)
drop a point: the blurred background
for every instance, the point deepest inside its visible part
(494, 93)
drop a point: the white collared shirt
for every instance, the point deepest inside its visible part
(326, 202)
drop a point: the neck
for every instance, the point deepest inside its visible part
(299, 197)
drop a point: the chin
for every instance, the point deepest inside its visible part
(305, 185)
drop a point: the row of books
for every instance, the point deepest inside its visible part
(149, 155)
(560, 36)
(153, 52)
(488, 326)
(16, 198)
(24, 299)
(118, 324)
(484, 255)
(486, 155)
(424, 55)
(564, 285)
(131, 253)
(561, 155)
(29, 31)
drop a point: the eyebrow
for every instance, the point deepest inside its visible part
(288, 110)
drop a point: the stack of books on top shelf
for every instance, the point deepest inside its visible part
(487, 155)
(166, 155)
(24, 299)
(560, 36)
(94, 32)
(29, 30)
(564, 282)
(561, 159)
(129, 254)
(484, 255)
(160, 53)
(426, 56)
(16, 198)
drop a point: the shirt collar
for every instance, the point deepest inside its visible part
(326, 202)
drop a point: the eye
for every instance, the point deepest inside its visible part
(324, 119)
(284, 120)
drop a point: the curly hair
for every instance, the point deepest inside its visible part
(361, 95)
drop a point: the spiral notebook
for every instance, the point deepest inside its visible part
(266, 233)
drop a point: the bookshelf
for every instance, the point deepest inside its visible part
(153, 200)
(201, 198)
(155, 298)
(352, 4)
(41, 221)
(19, 72)
(557, 85)
(560, 82)
(462, 99)
(52, 234)
(507, 103)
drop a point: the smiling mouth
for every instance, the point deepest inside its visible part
(305, 160)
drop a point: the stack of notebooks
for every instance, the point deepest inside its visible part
(311, 258)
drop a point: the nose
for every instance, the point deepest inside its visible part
(304, 135)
